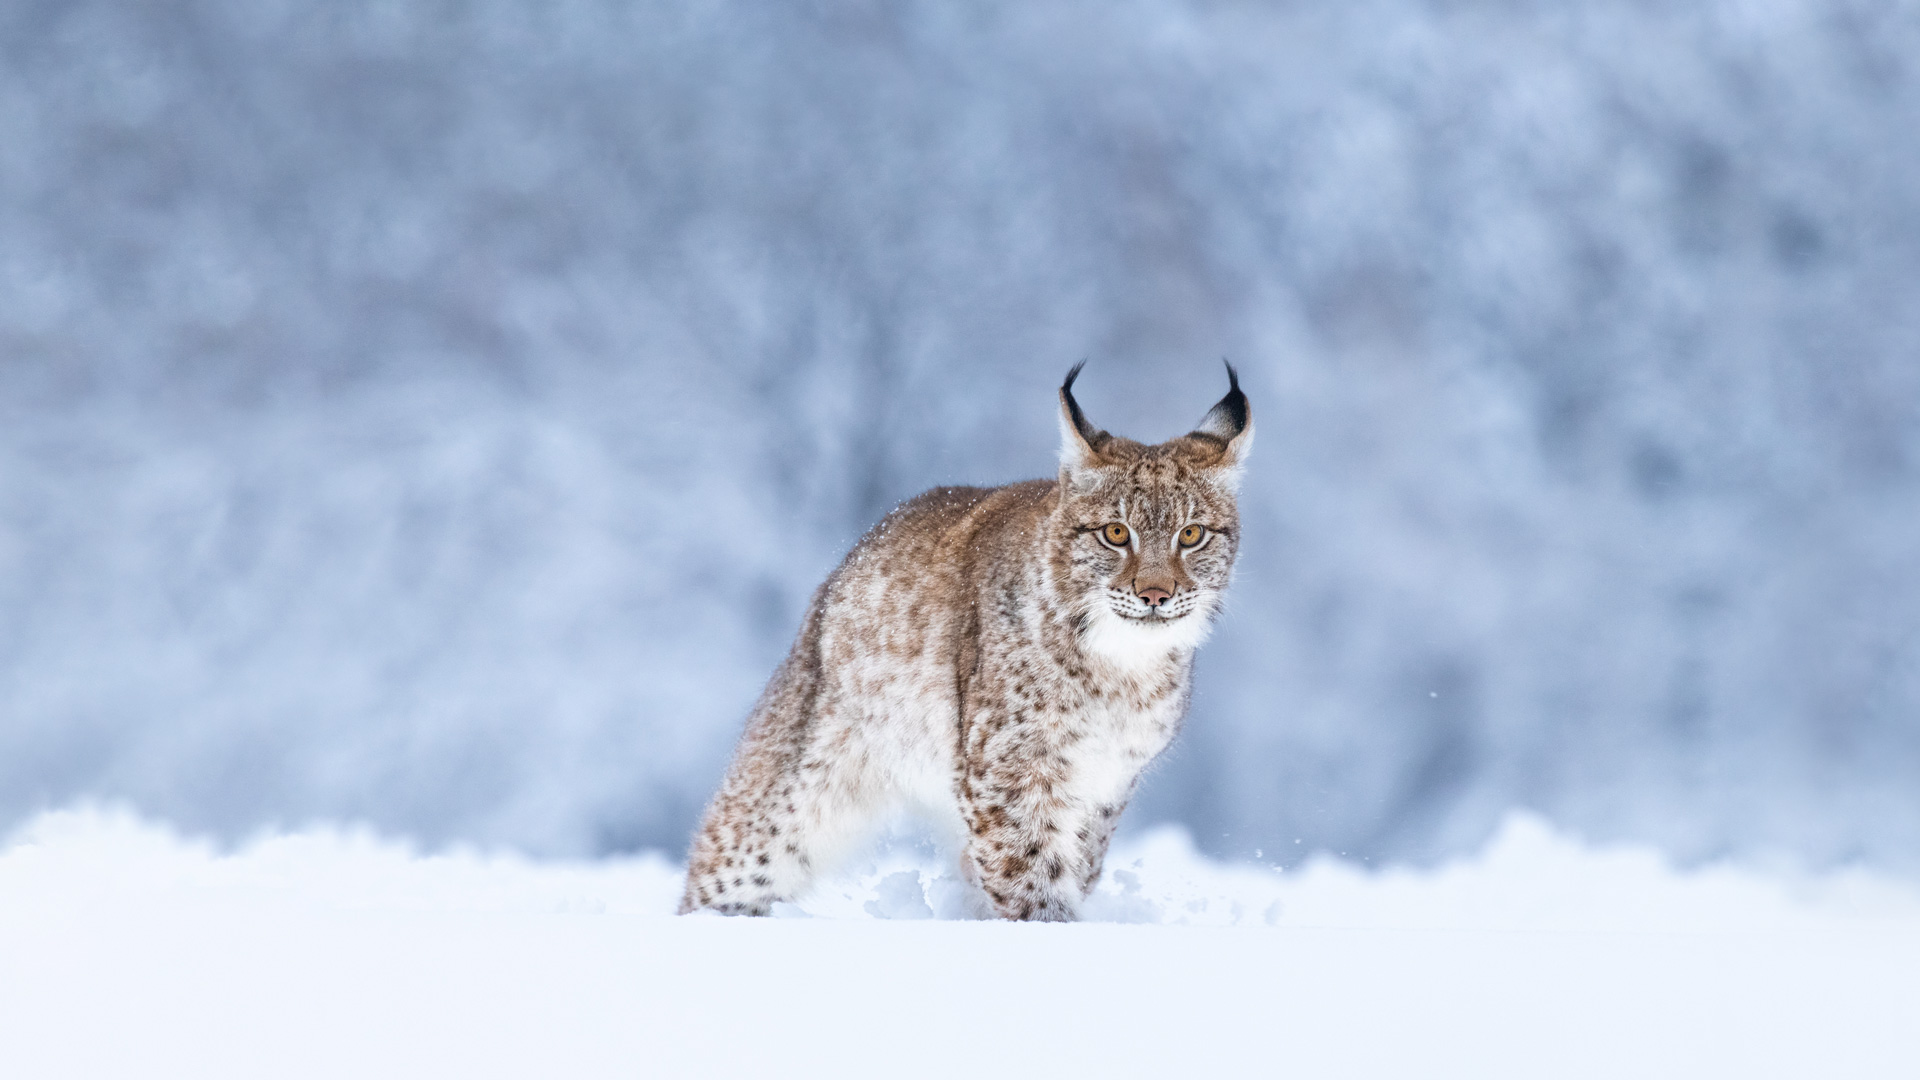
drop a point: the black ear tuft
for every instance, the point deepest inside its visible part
(1229, 416)
(1089, 434)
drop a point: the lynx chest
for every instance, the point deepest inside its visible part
(1108, 738)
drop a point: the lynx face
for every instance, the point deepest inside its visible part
(1151, 531)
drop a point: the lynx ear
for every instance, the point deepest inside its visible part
(1080, 441)
(1229, 424)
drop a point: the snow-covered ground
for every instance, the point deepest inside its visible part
(126, 950)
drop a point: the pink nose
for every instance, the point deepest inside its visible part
(1155, 597)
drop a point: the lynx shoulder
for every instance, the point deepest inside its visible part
(1007, 660)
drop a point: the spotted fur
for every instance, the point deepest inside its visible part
(989, 657)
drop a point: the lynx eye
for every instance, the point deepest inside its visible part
(1192, 535)
(1116, 534)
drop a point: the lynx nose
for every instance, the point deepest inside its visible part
(1155, 597)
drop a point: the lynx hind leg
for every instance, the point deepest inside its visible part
(748, 855)
(787, 811)
(751, 850)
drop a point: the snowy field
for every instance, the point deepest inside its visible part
(130, 951)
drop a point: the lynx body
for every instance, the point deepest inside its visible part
(1005, 660)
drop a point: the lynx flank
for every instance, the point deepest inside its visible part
(1006, 660)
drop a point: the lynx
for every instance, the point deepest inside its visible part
(1007, 660)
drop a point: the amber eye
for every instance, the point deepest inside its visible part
(1116, 534)
(1192, 535)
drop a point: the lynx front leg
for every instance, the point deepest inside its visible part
(1037, 861)
(1036, 849)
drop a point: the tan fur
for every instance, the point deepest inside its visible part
(983, 654)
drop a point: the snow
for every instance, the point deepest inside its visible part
(130, 950)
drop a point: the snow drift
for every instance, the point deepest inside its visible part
(130, 951)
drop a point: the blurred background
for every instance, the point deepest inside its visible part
(436, 415)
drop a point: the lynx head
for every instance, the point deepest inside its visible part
(1145, 536)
